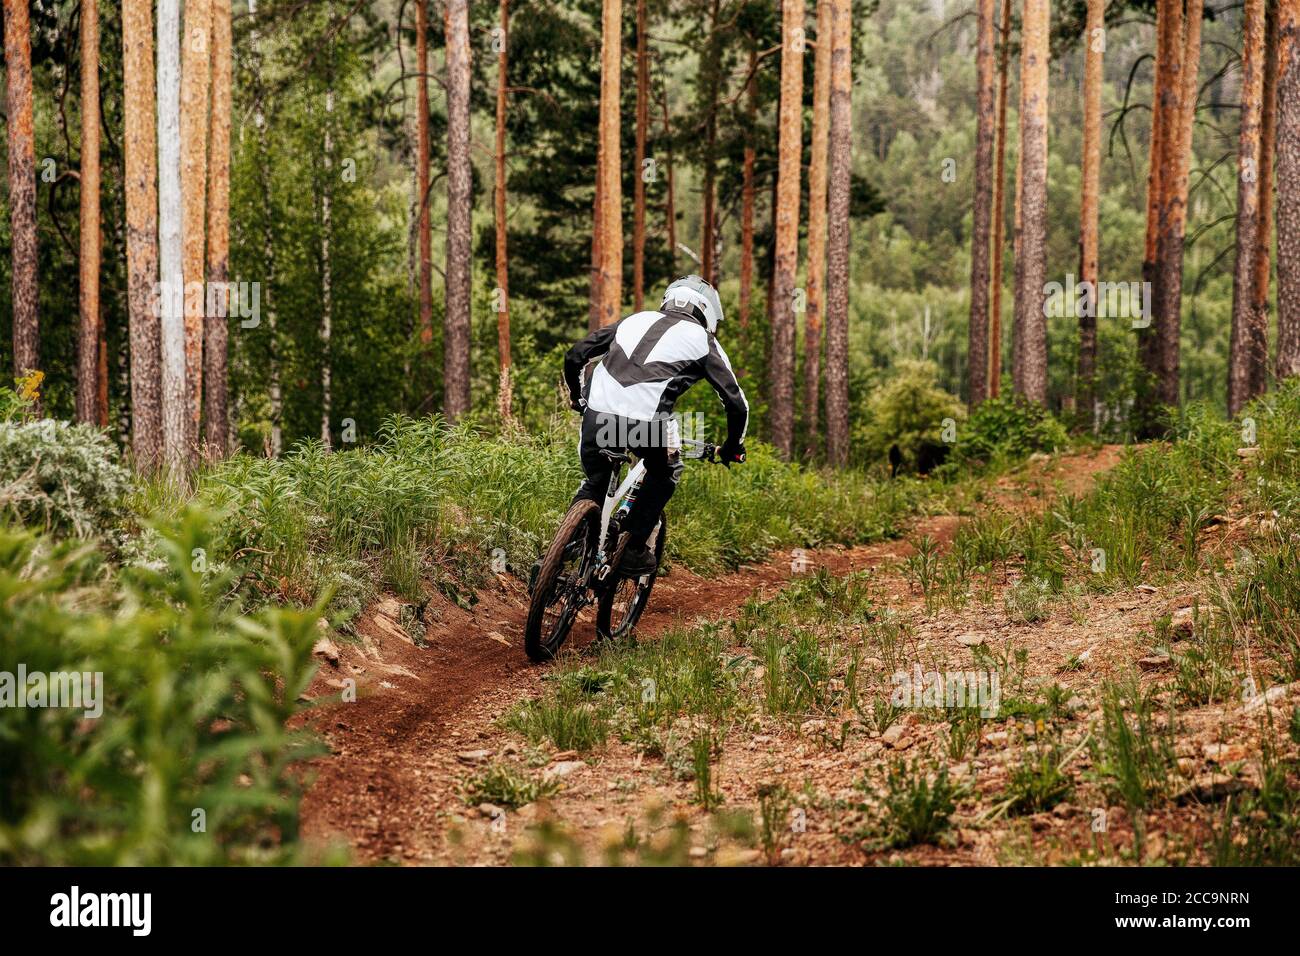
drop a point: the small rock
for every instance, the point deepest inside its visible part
(473, 756)
(996, 737)
(893, 735)
(1154, 662)
(1147, 588)
(1250, 451)
(698, 853)
(1182, 624)
(1223, 753)
(1076, 703)
(1270, 696)
(489, 810)
(327, 649)
(565, 755)
(562, 769)
(812, 727)
(970, 640)
(1211, 788)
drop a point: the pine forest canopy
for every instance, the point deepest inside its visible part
(240, 225)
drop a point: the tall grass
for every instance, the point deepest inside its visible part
(429, 500)
(190, 760)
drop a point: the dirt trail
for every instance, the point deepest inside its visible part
(390, 778)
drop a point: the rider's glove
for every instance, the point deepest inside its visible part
(730, 454)
(578, 404)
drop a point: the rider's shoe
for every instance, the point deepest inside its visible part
(637, 561)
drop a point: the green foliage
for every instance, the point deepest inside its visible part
(60, 478)
(907, 410)
(191, 760)
(506, 786)
(1133, 751)
(916, 806)
(1038, 783)
(1009, 428)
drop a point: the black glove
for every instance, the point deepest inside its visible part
(578, 404)
(730, 454)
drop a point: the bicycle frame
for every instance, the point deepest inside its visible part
(619, 491)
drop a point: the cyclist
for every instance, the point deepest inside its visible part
(649, 359)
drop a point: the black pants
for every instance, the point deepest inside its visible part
(603, 431)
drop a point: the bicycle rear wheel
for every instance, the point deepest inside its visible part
(621, 603)
(556, 597)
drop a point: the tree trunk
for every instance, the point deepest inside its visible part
(1094, 45)
(216, 327)
(22, 187)
(1173, 212)
(273, 388)
(837, 266)
(1247, 339)
(670, 209)
(708, 221)
(1264, 235)
(141, 188)
(747, 193)
(1288, 190)
(88, 335)
(1148, 340)
(459, 184)
(1030, 373)
(789, 156)
(195, 74)
(817, 224)
(327, 273)
(642, 121)
(978, 338)
(610, 267)
(999, 214)
(424, 240)
(171, 275)
(504, 391)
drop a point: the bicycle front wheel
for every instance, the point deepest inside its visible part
(622, 603)
(557, 590)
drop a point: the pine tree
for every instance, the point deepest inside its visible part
(1248, 345)
(1030, 369)
(459, 197)
(1094, 46)
(1288, 189)
(90, 327)
(22, 186)
(781, 306)
(837, 242)
(141, 188)
(817, 223)
(216, 328)
(978, 336)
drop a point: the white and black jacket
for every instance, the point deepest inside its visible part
(650, 359)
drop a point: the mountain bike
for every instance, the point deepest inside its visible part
(580, 566)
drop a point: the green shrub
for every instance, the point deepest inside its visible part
(59, 477)
(908, 410)
(190, 760)
(1009, 427)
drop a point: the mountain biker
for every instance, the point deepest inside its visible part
(649, 360)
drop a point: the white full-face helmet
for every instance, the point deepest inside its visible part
(693, 294)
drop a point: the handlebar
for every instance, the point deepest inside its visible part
(704, 450)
